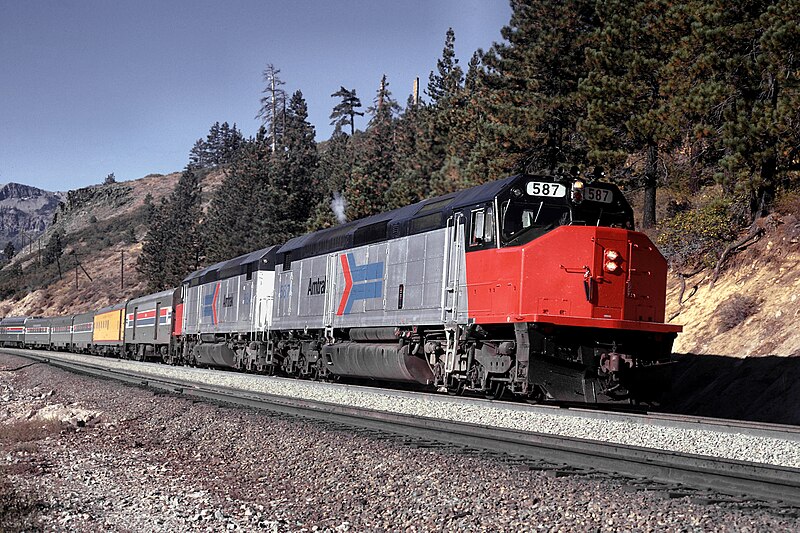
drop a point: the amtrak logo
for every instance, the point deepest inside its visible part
(316, 287)
(210, 305)
(361, 282)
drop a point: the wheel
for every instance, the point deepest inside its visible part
(496, 391)
(457, 389)
(535, 396)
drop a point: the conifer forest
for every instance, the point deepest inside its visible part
(658, 94)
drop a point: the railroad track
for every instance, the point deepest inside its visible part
(705, 479)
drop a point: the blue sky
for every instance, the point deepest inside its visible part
(93, 87)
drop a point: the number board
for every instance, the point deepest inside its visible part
(542, 188)
(593, 194)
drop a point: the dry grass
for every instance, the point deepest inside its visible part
(20, 434)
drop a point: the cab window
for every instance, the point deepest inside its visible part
(482, 226)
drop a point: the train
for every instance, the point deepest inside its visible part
(536, 286)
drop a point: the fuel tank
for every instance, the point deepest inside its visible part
(214, 354)
(381, 361)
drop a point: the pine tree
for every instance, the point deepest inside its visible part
(149, 208)
(9, 251)
(267, 195)
(152, 262)
(415, 157)
(473, 145)
(230, 143)
(333, 173)
(375, 164)
(55, 247)
(173, 246)
(442, 118)
(220, 147)
(294, 170)
(229, 226)
(344, 112)
(534, 75)
(740, 91)
(198, 155)
(628, 110)
(446, 82)
(273, 104)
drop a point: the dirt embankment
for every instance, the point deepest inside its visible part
(752, 309)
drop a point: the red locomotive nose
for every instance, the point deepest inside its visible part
(545, 280)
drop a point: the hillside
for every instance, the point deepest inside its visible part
(104, 226)
(752, 309)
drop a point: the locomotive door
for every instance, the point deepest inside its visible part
(452, 268)
(451, 287)
(285, 280)
(330, 293)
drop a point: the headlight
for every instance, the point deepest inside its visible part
(612, 261)
(577, 191)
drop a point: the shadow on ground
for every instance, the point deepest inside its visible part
(760, 389)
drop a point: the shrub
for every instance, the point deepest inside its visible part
(699, 235)
(736, 310)
(788, 203)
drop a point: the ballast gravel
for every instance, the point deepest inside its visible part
(126, 459)
(730, 445)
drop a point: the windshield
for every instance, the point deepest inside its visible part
(530, 219)
(524, 219)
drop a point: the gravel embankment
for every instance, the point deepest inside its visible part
(129, 460)
(736, 446)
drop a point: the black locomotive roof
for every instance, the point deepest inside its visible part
(423, 216)
(263, 259)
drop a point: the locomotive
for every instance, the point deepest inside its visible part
(534, 286)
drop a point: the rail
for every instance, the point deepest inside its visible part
(739, 479)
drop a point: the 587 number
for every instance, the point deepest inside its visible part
(540, 188)
(598, 195)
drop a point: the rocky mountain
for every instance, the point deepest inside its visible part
(25, 212)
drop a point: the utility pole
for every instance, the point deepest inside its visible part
(122, 271)
(78, 264)
(416, 91)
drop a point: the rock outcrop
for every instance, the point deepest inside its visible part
(25, 210)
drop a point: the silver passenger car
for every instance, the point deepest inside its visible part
(37, 332)
(61, 332)
(12, 331)
(82, 329)
(148, 325)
